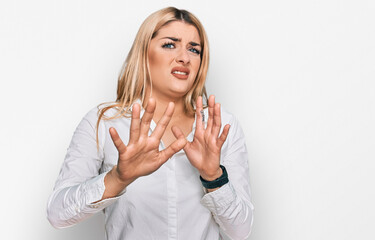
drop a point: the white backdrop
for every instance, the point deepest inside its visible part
(299, 75)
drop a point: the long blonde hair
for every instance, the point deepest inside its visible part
(135, 73)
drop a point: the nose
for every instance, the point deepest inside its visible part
(183, 57)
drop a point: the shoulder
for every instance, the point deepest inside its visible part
(91, 126)
(90, 123)
(228, 118)
(93, 114)
(235, 142)
(235, 126)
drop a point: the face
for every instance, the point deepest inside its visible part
(174, 59)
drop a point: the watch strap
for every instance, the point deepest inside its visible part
(218, 182)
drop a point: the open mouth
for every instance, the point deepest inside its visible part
(180, 72)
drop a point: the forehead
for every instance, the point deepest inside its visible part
(179, 29)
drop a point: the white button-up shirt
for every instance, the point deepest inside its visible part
(167, 204)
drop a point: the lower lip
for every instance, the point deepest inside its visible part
(180, 76)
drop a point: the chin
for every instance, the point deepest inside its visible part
(183, 87)
(177, 92)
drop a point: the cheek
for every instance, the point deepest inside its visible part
(194, 78)
(155, 66)
(196, 64)
(160, 60)
(152, 59)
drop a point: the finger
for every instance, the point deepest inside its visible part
(211, 105)
(223, 136)
(217, 121)
(163, 122)
(177, 132)
(117, 140)
(147, 117)
(176, 146)
(198, 113)
(134, 125)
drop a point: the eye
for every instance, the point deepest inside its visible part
(168, 45)
(194, 50)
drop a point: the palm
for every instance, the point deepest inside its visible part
(139, 160)
(142, 156)
(204, 151)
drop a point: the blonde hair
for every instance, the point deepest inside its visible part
(135, 73)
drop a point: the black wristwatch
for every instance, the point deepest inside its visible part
(218, 182)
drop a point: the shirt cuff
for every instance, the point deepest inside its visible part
(94, 189)
(220, 198)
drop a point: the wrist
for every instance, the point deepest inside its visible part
(213, 175)
(217, 182)
(114, 184)
(115, 175)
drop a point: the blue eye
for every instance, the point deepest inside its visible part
(168, 45)
(194, 50)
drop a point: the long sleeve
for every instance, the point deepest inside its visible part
(80, 183)
(231, 204)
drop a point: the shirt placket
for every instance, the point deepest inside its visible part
(172, 181)
(171, 191)
(172, 199)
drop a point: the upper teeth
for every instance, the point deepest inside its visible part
(178, 72)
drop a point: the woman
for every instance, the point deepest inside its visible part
(185, 177)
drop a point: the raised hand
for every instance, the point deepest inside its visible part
(142, 156)
(204, 151)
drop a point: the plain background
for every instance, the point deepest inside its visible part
(299, 75)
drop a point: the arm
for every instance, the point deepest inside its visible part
(79, 183)
(231, 204)
(80, 191)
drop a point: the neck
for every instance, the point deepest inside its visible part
(162, 103)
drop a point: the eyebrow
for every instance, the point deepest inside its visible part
(179, 40)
